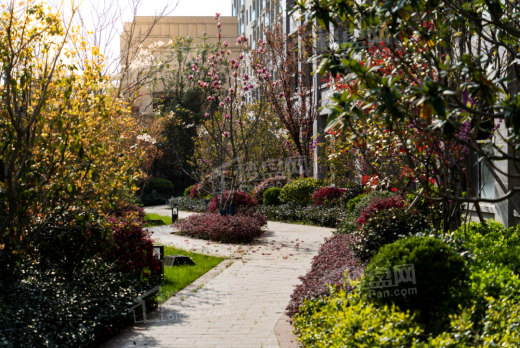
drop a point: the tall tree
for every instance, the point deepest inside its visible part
(456, 64)
(280, 67)
(65, 142)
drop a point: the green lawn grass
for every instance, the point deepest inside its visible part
(166, 219)
(178, 277)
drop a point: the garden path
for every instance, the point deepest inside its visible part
(242, 304)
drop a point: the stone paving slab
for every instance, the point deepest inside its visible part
(241, 305)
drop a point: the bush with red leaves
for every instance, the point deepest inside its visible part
(378, 205)
(127, 211)
(327, 268)
(194, 192)
(243, 203)
(240, 228)
(327, 195)
(277, 181)
(132, 248)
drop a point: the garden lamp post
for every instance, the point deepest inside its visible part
(175, 213)
(158, 252)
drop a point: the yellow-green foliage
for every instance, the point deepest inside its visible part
(300, 191)
(347, 321)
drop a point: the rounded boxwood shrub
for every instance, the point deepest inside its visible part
(243, 203)
(158, 185)
(272, 196)
(385, 226)
(351, 205)
(277, 181)
(300, 191)
(428, 278)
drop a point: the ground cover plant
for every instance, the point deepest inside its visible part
(239, 228)
(329, 267)
(65, 295)
(178, 277)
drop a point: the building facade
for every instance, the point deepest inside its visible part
(163, 31)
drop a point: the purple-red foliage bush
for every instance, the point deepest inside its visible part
(240, 228)
(327, 269)
(378, 205)
(132, 248)
(243, 203)
(127, 211)
(277, 181)
(194, 192)
(327, 195)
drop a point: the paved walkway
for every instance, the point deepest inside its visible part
(241, 305)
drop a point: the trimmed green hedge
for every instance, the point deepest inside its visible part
(272, 196)
(300, 191)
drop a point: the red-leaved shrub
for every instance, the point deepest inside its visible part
(132, 248)
(327, 268)
(327, 195)
(277, 181)
(240, 228)
(194, 192)
(243, 203)
(378, 205)
(128, 211)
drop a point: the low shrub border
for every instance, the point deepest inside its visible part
(323, 216)
(197, 205)
(328, 268)
(240, 228)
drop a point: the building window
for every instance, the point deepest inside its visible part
(247, 17)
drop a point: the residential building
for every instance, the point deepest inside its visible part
(252, 16)
(166, 29)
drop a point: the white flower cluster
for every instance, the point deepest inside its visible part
(143, 59)
(146, 138)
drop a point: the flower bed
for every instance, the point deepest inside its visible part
(328, 269)
(240, 228)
